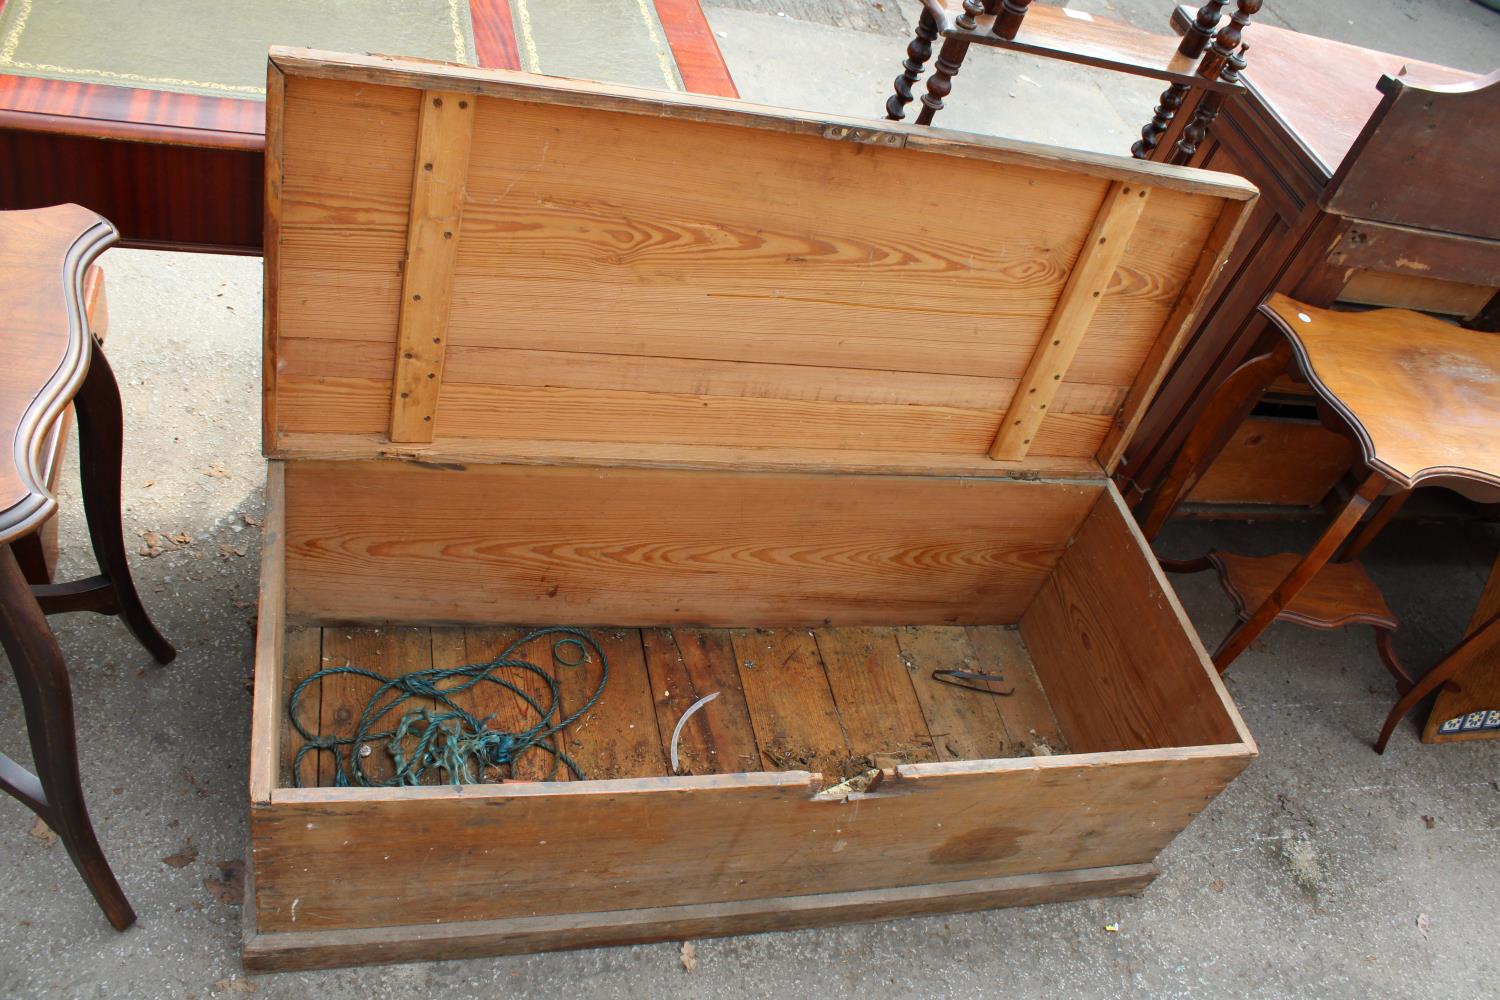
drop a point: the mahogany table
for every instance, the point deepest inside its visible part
(1419, 397)
(49, 360)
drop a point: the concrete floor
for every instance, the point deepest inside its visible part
(1323, 871)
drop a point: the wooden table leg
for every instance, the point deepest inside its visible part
(1240, 638)
(100, 445)
(1387, 651)
(32, 556)
(1374, 526)
(55, 793)
(1475, 643)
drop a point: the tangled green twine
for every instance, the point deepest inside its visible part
(448, 738)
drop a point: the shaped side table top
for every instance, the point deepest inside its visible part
(45, 347)
(1421, 396)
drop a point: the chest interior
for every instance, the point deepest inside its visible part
(804, 413)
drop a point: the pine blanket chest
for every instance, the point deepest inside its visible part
(802, 411)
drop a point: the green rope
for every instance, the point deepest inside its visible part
(450, 740)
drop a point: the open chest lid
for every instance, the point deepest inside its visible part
(476, 265)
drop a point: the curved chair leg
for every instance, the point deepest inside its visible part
(1228, 407)
(100, 443)
(47, 702)
(1475, 643)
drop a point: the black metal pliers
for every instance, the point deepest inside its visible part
(958, 678)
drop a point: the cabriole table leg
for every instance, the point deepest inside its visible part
(47, 702)
(100, 446)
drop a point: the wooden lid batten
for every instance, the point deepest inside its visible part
(477, 263)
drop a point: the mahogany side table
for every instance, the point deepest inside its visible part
(1421, 397)
(49, 360)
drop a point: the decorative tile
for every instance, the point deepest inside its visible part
(1483, 720)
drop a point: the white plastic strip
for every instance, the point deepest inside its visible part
(682, 721)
